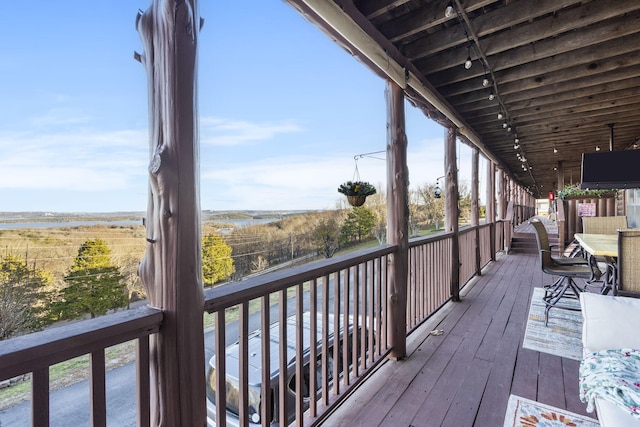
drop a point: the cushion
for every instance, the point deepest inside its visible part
(609, 322)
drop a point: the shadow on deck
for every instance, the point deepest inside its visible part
(465, 376)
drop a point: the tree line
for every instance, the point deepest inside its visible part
(31, 297)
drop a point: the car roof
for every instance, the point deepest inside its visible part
(255, 347)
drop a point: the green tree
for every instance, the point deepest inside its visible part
(93, 284)
(327, 236)
(432, 208)
(22, 290)
(217, 264)
(358, 224)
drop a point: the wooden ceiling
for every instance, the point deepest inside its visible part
(565, 74)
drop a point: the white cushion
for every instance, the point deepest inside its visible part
(611, 415)
(609, 322)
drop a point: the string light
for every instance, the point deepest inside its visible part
(449, 10)
(468, 63)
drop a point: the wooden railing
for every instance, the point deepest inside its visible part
(348, 293)
(429, 277)
(348, 290)
(35, 353)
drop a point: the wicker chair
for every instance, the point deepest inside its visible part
(628, 271)
(603, 224)
(566, 269)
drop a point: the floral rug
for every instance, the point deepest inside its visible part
(523, 412)
(563, 334)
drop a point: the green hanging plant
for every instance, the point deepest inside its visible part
(575, 190)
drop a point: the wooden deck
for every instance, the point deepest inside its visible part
(465, 376)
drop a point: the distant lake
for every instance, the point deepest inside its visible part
(240, 223)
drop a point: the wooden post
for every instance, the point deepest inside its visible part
(491, 206)
(451, 209)
(475, 204)
(171, 269)
(560, 175)
(501, 195)
(397, 218)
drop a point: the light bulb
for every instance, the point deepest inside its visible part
(516, 146)
(597, 148)
(508, 128)
(504, 125)
(468, 63)
(555, 150)
(500, 115)
(448, 11)
(485, 82)
(517, 140)
(491, 96)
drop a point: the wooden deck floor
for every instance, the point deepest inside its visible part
(464, 377)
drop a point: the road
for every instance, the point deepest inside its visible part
(69, 406)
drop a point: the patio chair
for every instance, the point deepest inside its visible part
(603, 224)
(565, 286)
(627, 281)
(543, 244)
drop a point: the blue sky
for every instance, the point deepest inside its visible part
(283, 110)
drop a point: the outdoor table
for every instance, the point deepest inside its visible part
(604, 248)
(600, 245)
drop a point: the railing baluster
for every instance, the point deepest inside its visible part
(243, 361)
(143, 382)
(40, 397)
(97, 389)
(313, 345)
(265, 410)
(345, 322)
(221, 369)
(325, 340)
(282, 348)
(300, 357)
(336, 332)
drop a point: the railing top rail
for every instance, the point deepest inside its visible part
(417, 241)
(41, 349)
(228, 295)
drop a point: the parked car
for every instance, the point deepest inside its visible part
(255, 372)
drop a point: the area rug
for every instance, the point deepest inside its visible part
(523, 412)
(563, 334)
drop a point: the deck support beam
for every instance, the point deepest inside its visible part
(397, 218)
(451, 208)
(171, 269)
(475, 204)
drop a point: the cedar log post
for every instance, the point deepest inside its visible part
(397, 219)
(171, 269)
(451, 209)
(475, 204)
(491, 206)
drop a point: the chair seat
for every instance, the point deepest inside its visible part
(582, 271)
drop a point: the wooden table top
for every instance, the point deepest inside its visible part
(599, 244)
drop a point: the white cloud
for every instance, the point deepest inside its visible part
(226, 132)
(82, 160)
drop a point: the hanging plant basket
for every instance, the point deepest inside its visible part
(356, 200)
(357, 191)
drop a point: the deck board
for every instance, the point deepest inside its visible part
(465, 376)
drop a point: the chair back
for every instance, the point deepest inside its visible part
(543, 244)
(603, 224)
(628, 274)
